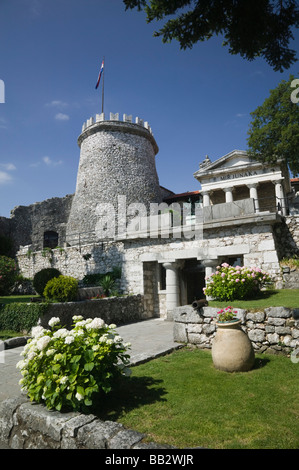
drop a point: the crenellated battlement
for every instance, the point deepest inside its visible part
(115, 117)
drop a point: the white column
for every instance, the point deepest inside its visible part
(280, 197)
(253, 194)
(229, 194)
(210, 268)
(206, 198)
(172, 286)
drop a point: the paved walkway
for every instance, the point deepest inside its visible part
(149, 339)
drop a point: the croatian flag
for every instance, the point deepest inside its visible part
(100, 74)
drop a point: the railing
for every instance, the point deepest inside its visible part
(274, 204)
(165, 223)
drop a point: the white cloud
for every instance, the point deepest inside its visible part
(240, 115)
(8, 166)
(57, 104)
(49, 162)
(3, 123)
(62, 117)
(4, 177)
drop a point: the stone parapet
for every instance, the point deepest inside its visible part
(25, 425)
(273, 330)
(118, 310)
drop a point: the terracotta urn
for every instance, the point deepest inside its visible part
(232, 350)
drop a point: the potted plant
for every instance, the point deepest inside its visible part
(227, 315)
(232, 350)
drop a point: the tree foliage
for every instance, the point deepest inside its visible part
(251, 28)
(274, 129)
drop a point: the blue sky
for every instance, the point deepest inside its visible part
(197, 102)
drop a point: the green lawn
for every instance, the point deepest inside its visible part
(9, 299)
(272, 298)
(6, 334)
(182, 400)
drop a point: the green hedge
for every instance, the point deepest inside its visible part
(20, 316)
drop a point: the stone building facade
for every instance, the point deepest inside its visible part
(166, 244)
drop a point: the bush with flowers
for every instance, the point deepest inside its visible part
(239, 282)
(69, 369)
(8, 274)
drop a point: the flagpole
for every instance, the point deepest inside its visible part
(103, 86)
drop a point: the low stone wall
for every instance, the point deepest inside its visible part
(273, 330)
(118, 310)
(24, 425)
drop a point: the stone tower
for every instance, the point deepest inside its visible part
(117, 158)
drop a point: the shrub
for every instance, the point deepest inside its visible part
(107, 283)
(231, 283)
(6, 246)
(41, 279)
(68, 369)
(61, 289)
(8, 274)
(96, 278)
(21, 316)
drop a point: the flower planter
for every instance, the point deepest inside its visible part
(232, 350)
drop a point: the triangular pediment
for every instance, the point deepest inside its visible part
(234, 159)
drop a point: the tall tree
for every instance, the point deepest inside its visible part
(251, 28)
(274, 129)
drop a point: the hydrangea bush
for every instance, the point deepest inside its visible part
(240, 282)
(68, 369)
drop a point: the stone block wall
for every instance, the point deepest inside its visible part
(28, 223)
(25, 425)
(118, 310)
(287, 237)
(75, 261)
(273, 330)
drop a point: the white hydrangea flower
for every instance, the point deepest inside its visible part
(79, 396)
(31, 355)
(103, 338)
(53, 321)
(21, 365)
(77, 317)
(81, 323)
(118, 339)
(50, 352)
(69, 339)
(61, 333)
(43, 342)
(37, 331)
(63, 379)
(79, 332)
(96, 324)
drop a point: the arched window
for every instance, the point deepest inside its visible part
(50, 239)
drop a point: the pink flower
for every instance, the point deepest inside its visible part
(237, 280)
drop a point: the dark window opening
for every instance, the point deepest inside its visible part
(162, 278)
(50, 239)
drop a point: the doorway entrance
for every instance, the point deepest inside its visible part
(193, 275)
